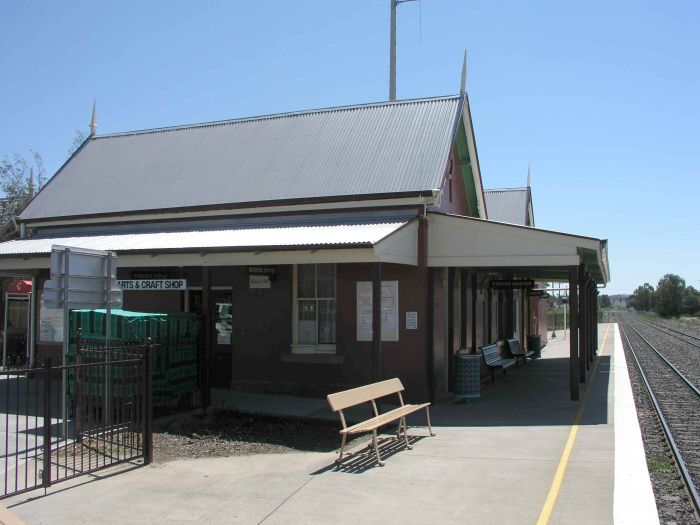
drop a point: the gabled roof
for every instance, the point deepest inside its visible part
(383, 149)
(511, 205)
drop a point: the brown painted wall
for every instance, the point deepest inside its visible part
(406, 358)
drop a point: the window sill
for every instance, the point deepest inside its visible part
(313, 349)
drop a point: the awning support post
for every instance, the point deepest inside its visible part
(376, 321)
(573, 336)
(582, 324)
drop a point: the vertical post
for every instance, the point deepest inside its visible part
(592, 340)
(489, 315)
(523, 308)
(463, 308)
(206, 328)
(32, 325)
(66, 339)
(78, 382)
(583, 325)
(108, 336)
(595, 330)
(392, 52)
(573, 336)
(46, 472)
(509, 321)
(147, 404)
(451, 278)
(474, 285)
(376, 321)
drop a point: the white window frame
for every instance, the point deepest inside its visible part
(303, 348)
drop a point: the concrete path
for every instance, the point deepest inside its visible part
(512, 456)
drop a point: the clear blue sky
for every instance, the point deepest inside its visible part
(603, 98)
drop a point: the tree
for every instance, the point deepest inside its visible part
(20, 180)
(669, 295)
(78, 139)
(691, 301)
(643, 298)
(605, 301)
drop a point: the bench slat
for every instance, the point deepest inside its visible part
(383, 419)
(364, 394)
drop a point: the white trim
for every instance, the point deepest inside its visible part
(469, 242)
(473, 157)
(400, 246)
(306, 348)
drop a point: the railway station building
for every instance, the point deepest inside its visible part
(320, 249)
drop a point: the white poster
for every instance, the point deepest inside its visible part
(389, 311)
(50, 324)
(411, 320)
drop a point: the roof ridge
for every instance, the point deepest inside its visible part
(515, 188)
(274, 116)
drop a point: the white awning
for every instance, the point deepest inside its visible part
(370, 242)
(475, 243)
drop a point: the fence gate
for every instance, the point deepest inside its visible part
(108, 421)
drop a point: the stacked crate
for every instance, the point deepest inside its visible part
(174, 339)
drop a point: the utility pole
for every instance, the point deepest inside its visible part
(392, 47)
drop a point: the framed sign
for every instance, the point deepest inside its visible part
(389, 311)
(174, 285)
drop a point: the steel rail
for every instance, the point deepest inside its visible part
(661, 329)
(685, 474)
(678, 372)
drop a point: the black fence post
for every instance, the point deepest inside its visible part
(46, 473)
(147, 404)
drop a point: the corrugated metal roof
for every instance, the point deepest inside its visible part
(330, 235)
(383, 148)
(507, 205)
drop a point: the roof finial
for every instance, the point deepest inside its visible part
(93, 124)
(463, 85)
(528, 174)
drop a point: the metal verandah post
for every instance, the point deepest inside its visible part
(46, 473)
(573, 335)
(376, 321)
(147, 404)
(582, 325)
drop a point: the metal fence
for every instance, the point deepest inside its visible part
(106, 418)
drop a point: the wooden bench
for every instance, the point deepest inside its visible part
(493, 360)
(513, 346)
(369, 394)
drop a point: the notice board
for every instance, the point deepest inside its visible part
(389, 311)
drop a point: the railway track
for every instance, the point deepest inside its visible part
(674, 393)
(691, 339)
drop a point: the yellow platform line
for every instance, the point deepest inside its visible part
(555, 488)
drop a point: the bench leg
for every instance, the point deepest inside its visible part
(376, 448)
(405, 434)
(492, 377)
(398, 429)
(342, 448)
(427, 415)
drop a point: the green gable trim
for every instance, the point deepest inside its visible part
(467, 171)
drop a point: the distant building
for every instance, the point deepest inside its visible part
(619, 300)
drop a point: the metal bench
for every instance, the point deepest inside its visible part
(493, 360)
(513, 346)
(370, 394)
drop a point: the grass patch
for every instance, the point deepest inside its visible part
(660, 465)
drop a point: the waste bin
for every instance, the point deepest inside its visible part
(534, 343)
(468, 375)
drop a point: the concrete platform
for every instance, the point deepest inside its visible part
(522, 453)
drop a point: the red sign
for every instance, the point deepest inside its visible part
(20, 287)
